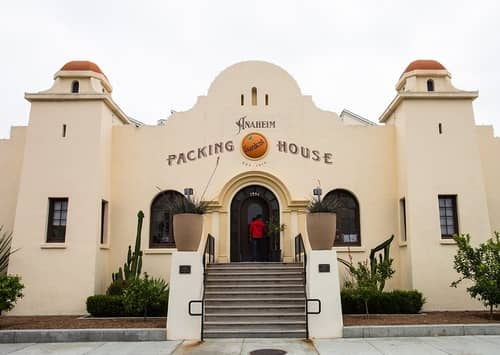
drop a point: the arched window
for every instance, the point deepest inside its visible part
(430, 85)
(75, 87)
(348, 227)
(161, 228)
(254, 96)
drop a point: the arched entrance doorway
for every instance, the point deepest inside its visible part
(246, 204)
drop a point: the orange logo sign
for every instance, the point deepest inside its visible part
(254, 146)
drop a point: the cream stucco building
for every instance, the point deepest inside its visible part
(75, 177)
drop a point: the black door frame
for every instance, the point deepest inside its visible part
(253, 192)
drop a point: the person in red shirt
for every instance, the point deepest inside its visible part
(257, 234)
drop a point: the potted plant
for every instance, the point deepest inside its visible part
(274, 228)
(321, 223)
(188, 223)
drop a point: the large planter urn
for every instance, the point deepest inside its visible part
(321, 230)
(187, 231)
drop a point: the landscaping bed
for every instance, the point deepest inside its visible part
(467, 317)
(79, 322)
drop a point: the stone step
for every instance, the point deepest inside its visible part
(257, 333)
(260, 301)
(215, 269)
(253, 275)
(254, 287)
(213, 280)
(251, 294)
(250, 317)
(255, 309)
(282, 325)
(256, 264)
(256, 271)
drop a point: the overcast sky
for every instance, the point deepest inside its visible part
(161, 55)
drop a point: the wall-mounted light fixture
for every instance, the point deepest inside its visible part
(317, 192)
(188, 192)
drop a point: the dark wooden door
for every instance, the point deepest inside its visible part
(245, 205)
(250, 208)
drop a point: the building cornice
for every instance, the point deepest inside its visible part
(33, 97)
(356, 116)
(452, 95)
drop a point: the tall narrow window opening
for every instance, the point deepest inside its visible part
(56, 226)
(348, 226)
(440, 128)
(448, 215)
(254, 96)
(430, 85)
(402, 216)
(75, 87)
(267, 99)
(242, 99)
(64, 131)
(104, 222)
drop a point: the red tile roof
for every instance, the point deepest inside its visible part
(82, 65)
(424, 64)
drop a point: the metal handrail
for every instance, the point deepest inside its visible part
(300, 254)
(311, 300)
(198, 314)
(301, 257)
(210, 250)
(189, 308)
(308, 312)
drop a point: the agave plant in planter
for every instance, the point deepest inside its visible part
(321, 223)
(188, 223)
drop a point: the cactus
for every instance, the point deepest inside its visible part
(117, 275)
(383, 265)
(132, 268)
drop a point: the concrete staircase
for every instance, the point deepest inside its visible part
(255, 300)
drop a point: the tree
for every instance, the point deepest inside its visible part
(363, 281)
(481, 266)
(368, 278)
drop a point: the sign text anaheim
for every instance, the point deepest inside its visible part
(243, 124)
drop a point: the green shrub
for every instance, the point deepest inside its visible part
(397, 301)
(10, 290)
(105, 306)
(142, 296)
(160, 309)
(117, 287)
(352, 302)
(5, 250)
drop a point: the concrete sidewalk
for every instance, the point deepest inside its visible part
(480, 345)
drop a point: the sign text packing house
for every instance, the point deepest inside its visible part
(228, 146)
